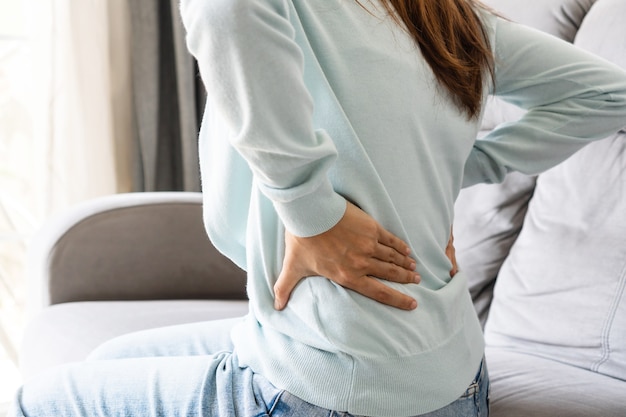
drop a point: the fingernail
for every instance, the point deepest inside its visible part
(412, 265)
(413, 305)
(278, 305)
(417, 278)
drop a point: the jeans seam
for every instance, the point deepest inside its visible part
(275, 402)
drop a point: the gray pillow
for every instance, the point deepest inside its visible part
(603, 32)
(560, 18)
(561, 292)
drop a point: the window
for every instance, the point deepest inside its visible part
(17, 221)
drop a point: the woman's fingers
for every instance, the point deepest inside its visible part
(390, 240)
(284, 286)
(290, 275)
(392, 272)
(389, 254)
(451, 254)
(295, 269)
(391, 261)
(377, 291)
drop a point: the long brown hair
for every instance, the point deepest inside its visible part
(453, 41)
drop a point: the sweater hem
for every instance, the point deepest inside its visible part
(371, 386)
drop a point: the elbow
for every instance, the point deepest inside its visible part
(607, 105)
(617, 103)
(617, 95)
(622, 101)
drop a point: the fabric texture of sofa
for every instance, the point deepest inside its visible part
(546, 257)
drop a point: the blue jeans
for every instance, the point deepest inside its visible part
(187, 370)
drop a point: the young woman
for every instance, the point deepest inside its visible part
(336, 137)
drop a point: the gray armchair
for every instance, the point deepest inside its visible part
(123, 263)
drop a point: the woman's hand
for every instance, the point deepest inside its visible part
(351, 253)
(451, 254)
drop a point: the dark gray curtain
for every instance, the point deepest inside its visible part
(167, 97)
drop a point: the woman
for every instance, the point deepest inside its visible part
(336, 138)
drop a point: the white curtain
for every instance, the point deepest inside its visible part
(81, 105)
(66, 126)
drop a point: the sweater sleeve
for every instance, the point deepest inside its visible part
(252, 68)
(572, 98)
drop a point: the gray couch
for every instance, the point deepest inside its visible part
(546, 256)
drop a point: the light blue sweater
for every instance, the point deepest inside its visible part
(312, 102)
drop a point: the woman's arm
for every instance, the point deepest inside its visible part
(572, 97)
(253, 72)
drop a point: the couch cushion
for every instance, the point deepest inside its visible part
(603, 32)
(561, 292)
(68, 332)
(560, 18)
(528, 386)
